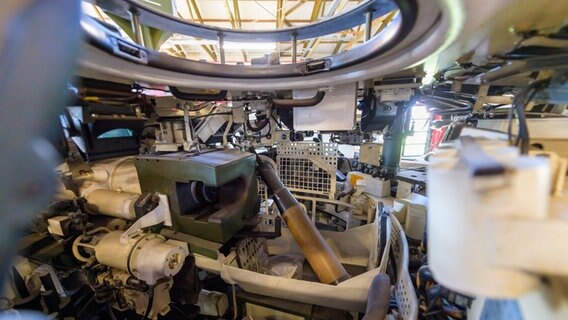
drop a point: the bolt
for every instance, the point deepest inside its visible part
(173, 261)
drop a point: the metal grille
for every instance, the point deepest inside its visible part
(250, 252)
(404, 291)
(262, 190)
(308, 167)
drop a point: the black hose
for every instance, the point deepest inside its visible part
(149, 307)
(276, 121)
(299, 103)
(258, 128)
(222, 94)
(519, 103)
(282, 196)
(523, 139)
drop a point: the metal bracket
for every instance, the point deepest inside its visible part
(319, 162)
(160, 214)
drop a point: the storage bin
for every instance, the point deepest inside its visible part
(356, 248)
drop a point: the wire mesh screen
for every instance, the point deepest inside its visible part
(250, 251)
(404, 290)
(308, 167)
(262, 190)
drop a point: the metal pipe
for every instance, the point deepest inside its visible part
(136, 27)
(221, 37)
(294, 47)
(368, 25)
(448, 106)
(392, 152)
(533, 64)
(296, 103)
(226, 133)
(189, 132)
(322, 259)
(112, 203)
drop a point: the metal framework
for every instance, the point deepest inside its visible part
(196, 16)
(421, 28)
(149, 16)
(190, 11)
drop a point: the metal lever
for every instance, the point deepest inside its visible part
(480, 163)
(160, 214)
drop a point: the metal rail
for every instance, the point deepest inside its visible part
(154, 18)
(421, 28)
(392, 35)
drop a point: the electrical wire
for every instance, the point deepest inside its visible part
(137, 86)
(262, 125)
(200, 107)
(268, 135)
(276, 121)
(521, 114)
(349, 163)
(523, 137)
(519, 103)
(211, 114)
(150, 304)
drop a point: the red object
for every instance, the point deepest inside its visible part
(436, 137)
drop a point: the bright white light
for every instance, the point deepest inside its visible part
(250, 45)
(266, 46)
(419, 111)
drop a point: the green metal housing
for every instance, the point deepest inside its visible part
(229, 173)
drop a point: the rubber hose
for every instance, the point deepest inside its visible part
(222, 94)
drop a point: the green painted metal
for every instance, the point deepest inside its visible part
(196, 245)
(165, 6)
(231, 170)
(153, 38)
